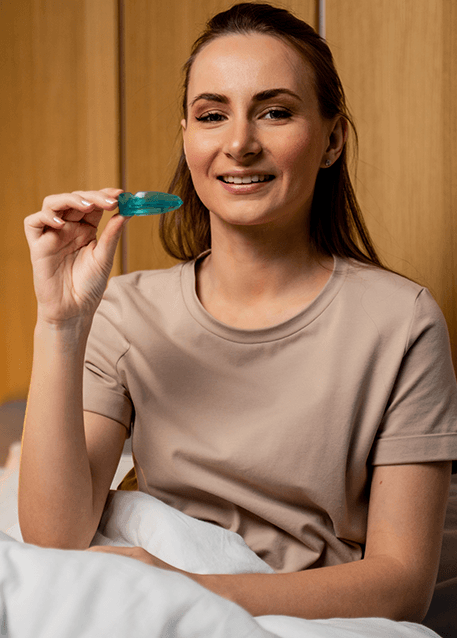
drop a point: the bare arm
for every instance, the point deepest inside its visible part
(396, 577)
(67, 461)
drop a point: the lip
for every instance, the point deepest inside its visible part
(242, 174)
(242, 189)
(245, 189)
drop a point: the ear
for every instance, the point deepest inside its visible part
(338, 132)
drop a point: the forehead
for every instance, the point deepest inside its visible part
(249, 63)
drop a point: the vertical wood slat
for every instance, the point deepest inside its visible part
(398, 63)
(158, 37)
(322, 21)
(59, 132)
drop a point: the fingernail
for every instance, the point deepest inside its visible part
(58, 220)
(110, 200)
(85, 203)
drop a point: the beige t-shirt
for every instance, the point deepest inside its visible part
(272, 433)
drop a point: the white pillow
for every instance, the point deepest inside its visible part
(136, 519)
(9, 480)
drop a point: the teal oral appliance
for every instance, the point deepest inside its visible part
(147, 203)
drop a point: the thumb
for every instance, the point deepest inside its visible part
(109, 239)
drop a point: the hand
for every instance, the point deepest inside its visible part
(217, 583)
(70, 268)
(139, 554)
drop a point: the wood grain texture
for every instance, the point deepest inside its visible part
(158, 37)
(398, 63)
(59, 132)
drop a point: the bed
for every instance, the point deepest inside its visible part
(47, 593)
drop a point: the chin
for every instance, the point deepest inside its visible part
(244, 219)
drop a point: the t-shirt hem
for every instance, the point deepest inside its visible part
(112, 411)
(427, 448)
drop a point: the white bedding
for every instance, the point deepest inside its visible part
(50, 593)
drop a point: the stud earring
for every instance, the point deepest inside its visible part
(328, 162)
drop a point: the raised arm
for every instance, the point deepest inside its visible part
(67, 460)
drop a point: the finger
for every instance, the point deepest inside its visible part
(108, 240)
(36, 224)
(101, 200)
(58, 204)
(87, 206)
(52, 218)
(112, 192)
(74, 206)
(111, 549)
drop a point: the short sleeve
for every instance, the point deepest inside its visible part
(104, 391)
(420, 420)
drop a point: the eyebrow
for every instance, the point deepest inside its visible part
(268, 94)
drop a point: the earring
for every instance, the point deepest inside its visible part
(328, 162)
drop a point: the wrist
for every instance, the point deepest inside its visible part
(221, 584)
(75, 330)
(73, 323)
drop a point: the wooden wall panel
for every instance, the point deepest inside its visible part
(59, 130)
(158, 37)
(398, 63)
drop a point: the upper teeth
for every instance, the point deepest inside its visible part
(245, 180)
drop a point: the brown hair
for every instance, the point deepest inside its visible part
(336, 224)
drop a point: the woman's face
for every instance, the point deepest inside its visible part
(254, 138)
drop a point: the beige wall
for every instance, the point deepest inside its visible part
(398, 63)
(60, 128)
(58, 132)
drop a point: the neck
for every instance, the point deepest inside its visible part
(260, 267)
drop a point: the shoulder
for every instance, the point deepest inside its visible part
(141, 282)
(390, 299)
(384, 289)
(380, 283)
(141, 289)
(134, 299)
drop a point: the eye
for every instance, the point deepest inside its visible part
(210, 117)
(277, 114)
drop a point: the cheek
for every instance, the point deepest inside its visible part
(199, 152)
(302, 155)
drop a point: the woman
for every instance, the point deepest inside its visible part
(281, 384)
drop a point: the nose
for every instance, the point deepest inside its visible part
(242, 141)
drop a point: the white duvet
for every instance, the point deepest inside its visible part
(51, 593)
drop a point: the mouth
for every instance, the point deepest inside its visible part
(245, 179)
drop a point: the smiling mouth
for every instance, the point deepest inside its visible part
(246, 179)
